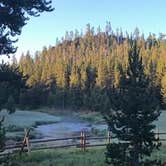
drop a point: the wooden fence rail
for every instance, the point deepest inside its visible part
(81, 141)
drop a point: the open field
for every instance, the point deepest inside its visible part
(68, 156)
(95, 117)
(85, 115)
(16, 122)
(22, 119)
(72, 157)
(59, 121)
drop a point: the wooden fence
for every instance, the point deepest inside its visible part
(82, 141)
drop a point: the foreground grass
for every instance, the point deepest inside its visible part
(72, 157)
(63, 157)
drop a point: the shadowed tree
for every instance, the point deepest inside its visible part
(134, 108)
(14, 14)
(2, 135)
(89, 85)
(11, 83)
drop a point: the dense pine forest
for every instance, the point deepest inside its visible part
(80, 69)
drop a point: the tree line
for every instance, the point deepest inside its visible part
(79, 69)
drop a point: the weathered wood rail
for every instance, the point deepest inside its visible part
(81, 141)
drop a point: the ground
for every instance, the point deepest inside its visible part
(72, 157)
(16, 122)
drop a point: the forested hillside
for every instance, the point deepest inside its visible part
(79, 70)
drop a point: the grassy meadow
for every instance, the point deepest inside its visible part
(16, 122)
(85, 115)
(71, 157)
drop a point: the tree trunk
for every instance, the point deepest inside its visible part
(134, 156)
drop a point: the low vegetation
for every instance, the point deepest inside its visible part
(72, 157)
(16, 122)
(94, 117)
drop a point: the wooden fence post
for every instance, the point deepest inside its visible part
(25, 141)
(108, 137)
(84, 140)
(81, 139)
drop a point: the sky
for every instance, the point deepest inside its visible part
(147, 15)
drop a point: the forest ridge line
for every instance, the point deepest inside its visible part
(81, 65)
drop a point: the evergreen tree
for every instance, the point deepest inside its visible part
(37, 71)
(2, 135)
(76, 91)
(10, 105)
(66, 92)
(11, 84)
(13, 16)
(134, 107)
(106, 52)
(89, 85)
(163, 87)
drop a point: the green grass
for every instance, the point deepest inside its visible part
(19, 135)
(63, 157)
(24, 119)
(72, 157)
(81, 115)
(93, 117)
(16, 122)
(85, 115)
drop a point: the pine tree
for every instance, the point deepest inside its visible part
(2, 135)
(134, 107)
(13, 16)
(105, 52)
(163, 87)
(66, 86)
(10, 105)
(89, 85)
(11, 83)
(76, 93)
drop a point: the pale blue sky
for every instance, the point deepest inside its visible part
(147, 15)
